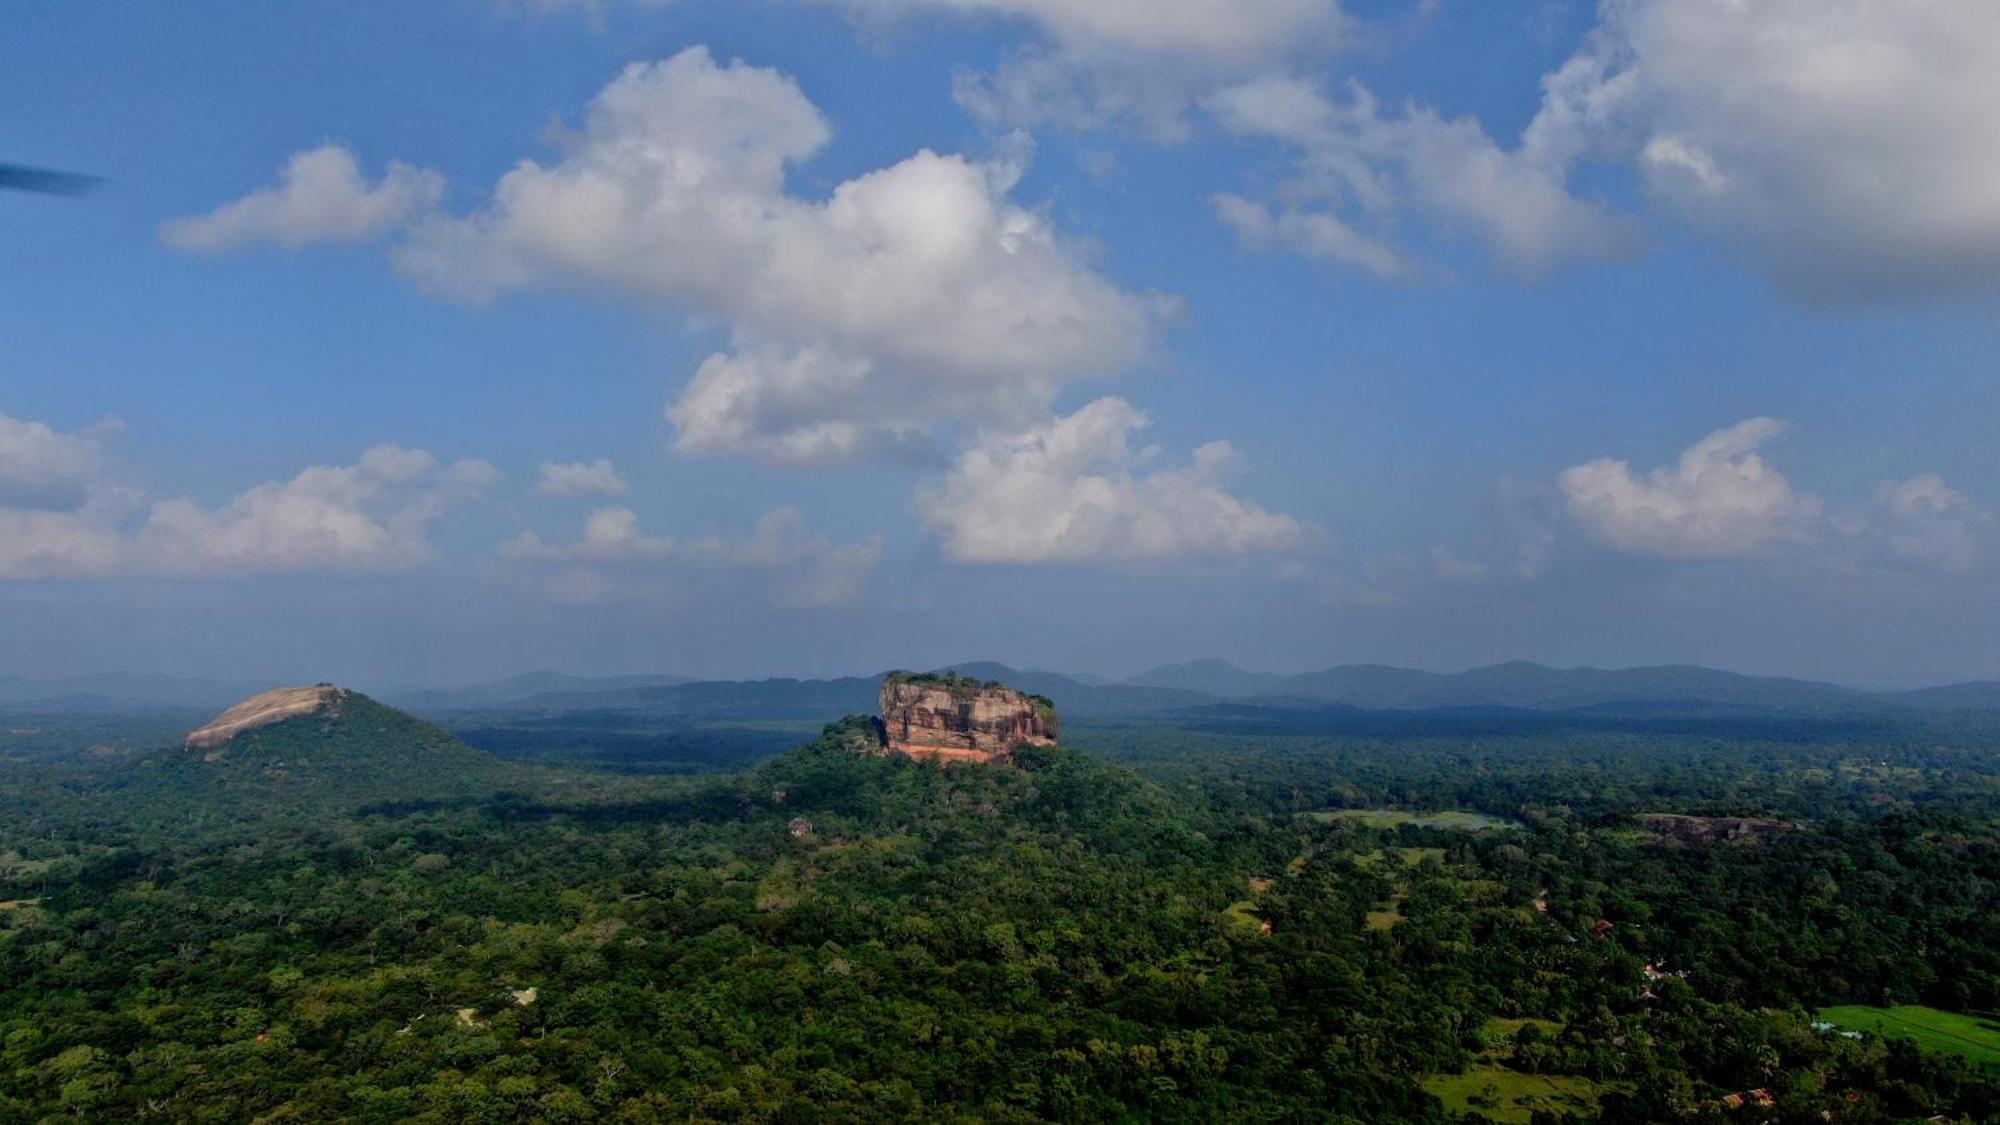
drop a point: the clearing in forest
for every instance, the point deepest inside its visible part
(1974, 1037)
(1499, 1093)
(1457, 819)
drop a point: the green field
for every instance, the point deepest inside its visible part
(1387, 919)
(1244, 914)
(1499, 1093)
(1975, 1037)
(1397, 818)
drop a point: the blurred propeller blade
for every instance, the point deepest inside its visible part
(20, 178)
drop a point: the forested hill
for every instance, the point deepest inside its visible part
(304, 769)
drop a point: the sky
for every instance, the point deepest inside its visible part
(428, 342)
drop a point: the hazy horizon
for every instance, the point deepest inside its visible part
(374, 683)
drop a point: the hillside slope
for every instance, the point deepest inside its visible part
(352, 751)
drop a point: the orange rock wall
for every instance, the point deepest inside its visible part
(959, 723)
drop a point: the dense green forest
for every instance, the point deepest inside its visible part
(361, 917)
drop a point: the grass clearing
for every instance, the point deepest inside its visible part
(1456, 819)
(1499, 1093)
(1975, 1037)
(1408, 857)
(1244, 914)
(1386, 919)
(1502, 1029)
(15, 865)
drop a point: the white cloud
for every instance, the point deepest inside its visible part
(1073, 489)
(913, 293)
(1314, 234)
(614, 557)
(1361, 168)
(321, 196)
(369, 516)
(1720, 500)
(58, 505)
(1849, 146)
(1926, 520)
(41, 544)
(41, 468)
(609, 534)
(1125, 63)
(1227, 28)
(580, 478)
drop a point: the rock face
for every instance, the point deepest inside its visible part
(263, 710)
(962, 720)
(1700, 831)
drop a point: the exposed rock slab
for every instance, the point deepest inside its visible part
(953, 719)
(1701, 831)
(263, 710)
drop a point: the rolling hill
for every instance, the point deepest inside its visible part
(1525, 685)
(514, 689)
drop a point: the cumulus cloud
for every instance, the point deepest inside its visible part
(374, 514)
(41, 468)
(1128, 63)
(1848, 146)
(1074, 490)
(321, 196)
(1925, 520)
(913, 293)
(614, 557)
(1360, 168)
(580, 478)
(1312, 233)
(1720, 500)
(41, 544)
(59, 506)
(1231, 28)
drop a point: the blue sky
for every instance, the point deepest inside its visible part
(907, 328)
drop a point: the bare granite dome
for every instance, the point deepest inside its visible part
(263, 710)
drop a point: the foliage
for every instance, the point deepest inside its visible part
(343, 919)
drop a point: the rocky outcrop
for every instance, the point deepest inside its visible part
(1701, 831)
(956, 719)
(263, 710)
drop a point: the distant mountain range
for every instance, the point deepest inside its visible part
(122, 691)
(1520, 684)
(1678, 690)
(513, 689)
(1666, 689)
